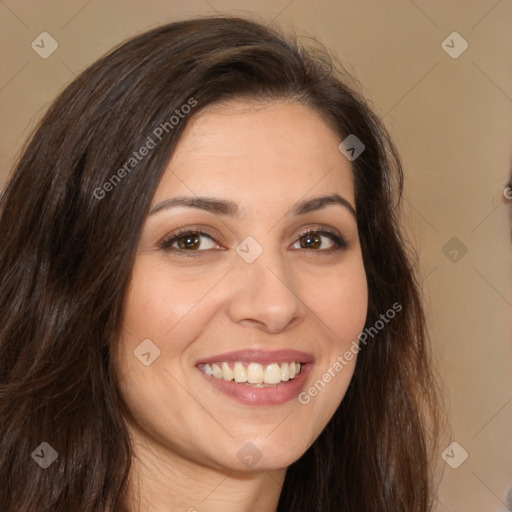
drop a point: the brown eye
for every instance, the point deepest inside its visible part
(189, 241)
(311, 241)
(314, 239)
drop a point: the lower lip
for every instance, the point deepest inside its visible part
(274, 395)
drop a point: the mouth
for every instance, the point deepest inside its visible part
(256, 377)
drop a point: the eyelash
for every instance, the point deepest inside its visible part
(340, 242)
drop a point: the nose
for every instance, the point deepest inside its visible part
(263, 293)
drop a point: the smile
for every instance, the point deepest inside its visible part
(257, 377)
(253, 374)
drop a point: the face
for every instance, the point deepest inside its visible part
(240, 280)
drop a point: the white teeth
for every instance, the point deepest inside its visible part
(285, 372)
(217, 372)
(239, 373)
(272, 374)
(293, 370)
(255, 373)
(227, 372)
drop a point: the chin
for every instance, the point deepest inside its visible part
(264, 456)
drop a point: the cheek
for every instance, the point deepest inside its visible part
(160, 314)
(340, 301)
(341, 307)
(171, 310)
(158, 300)
(151, 309)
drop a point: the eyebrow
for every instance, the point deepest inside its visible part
(230, 208)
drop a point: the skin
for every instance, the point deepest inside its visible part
(186, 434)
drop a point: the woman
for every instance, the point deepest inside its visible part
(206, 303)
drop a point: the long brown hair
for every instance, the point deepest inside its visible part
(67, 248)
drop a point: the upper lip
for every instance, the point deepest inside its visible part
(260, 356)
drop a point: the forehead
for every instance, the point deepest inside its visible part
(256, 151)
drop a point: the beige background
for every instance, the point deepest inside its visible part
(451, 119)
